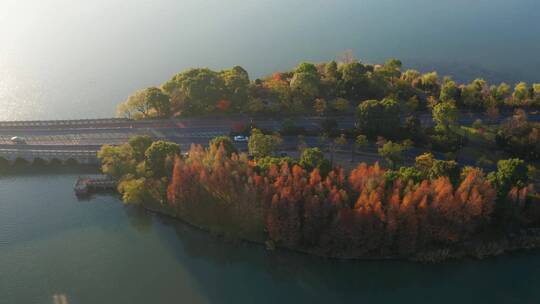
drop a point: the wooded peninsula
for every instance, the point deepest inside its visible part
(430, 210)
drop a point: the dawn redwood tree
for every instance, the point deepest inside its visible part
(359, 214)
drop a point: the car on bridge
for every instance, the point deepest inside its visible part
(240, 138)
(18, 140)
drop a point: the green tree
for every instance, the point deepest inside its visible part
(391, 70)
(261, 145)
(178, 102)
(331, 70)
(306, 67)
(391, 152)
(236, 82)
(521, 93)
(536, 90)
(313, 158)
(160, 156)
(442, 168)
(133, 191)
(449, 91)
(406, 174)
(140, 144)
(424, 162)
(445, 115)
(429, 83)
(473, 94)
(136, 106)
(510, 173)
(159, 101)
(227, 143)
(267, 162)
(202, 89)
(117, 161)
(403, 92)
(501, 92)
(305, 82)
(536, 93)
(353, 82)
(410, 76)
(379, 117)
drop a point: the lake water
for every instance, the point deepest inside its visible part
(99, 251)
(62, 59)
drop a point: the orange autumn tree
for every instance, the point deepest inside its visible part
(362, 214)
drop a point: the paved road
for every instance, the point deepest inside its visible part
(91, 134)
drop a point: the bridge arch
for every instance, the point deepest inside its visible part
(39, 162)
(21, 162)
(61, 156)
(55, 162)
(71, 162)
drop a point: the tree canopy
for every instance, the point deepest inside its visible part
(378, 117)
(261, 145)
(159, 157)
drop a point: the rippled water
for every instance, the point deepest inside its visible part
(76, 59)
(98, 251)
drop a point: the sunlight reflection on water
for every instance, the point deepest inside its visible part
(20, 98)
(60, 299)
(62, 59)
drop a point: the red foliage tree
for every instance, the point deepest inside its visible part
(338, 215)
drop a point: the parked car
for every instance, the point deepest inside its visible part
(241, 138)
(18, 140)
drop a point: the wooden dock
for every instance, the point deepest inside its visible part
(86, 185)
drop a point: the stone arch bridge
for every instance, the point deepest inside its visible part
(88, 157)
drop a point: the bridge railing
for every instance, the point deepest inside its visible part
(49, 153)
(61, 123)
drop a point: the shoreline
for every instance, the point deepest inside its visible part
(528, 239)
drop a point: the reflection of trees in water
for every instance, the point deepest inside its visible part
(236, 271)
(238, 265)
(139, 218)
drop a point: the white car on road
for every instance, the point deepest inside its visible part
(240, 138)
(18, 140)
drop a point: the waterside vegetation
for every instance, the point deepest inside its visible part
(429, 211)
(324, 88)
(428, 208)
